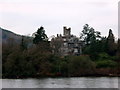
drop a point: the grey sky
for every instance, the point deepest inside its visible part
(26, 16)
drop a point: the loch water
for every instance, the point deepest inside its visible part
(74, 82)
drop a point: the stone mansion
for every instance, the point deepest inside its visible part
(66, 44)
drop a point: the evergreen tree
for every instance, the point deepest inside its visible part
(111, 46)
(40, 36)
(91, 39)
(118, 50)
(23, 45)
(118, 46)
(103, 44)
(89, 35)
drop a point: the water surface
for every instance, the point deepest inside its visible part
(75, 82)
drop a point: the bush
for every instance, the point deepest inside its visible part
(80, 65)
(106, 64)
(104, 56)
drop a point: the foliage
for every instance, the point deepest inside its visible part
(111, 46)
(106, 64)
(89, 35)
(20, 61)
(56, 45)
(23, 44)
(104, 56)
(81, 65)
(40, 36)
(118, 51)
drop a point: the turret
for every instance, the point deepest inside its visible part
(66, 31)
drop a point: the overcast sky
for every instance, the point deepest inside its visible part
(26, 16)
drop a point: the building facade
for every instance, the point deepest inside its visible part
(66, 44)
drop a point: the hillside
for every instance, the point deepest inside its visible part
(9, 36)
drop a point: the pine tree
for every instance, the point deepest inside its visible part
(111, 46)
(23, 45)
(118, 48)
(89, 35)
(40, 36)
(118, 45)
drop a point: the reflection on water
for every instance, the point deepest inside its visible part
(78, 82)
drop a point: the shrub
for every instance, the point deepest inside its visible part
(80, 65)
(106, 64)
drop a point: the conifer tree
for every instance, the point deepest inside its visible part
(23, 45)
(111, 46)
(89, 35)
(118, 48)
(40, 36)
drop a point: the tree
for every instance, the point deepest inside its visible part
(103, 44)
(40, 36)
(118, 46)
(23, 44)
(80, 65)
(89, 35)
(111, 46)
(91, 39)
(56, 44)
(118, 50)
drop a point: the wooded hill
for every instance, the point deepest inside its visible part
(101, 56)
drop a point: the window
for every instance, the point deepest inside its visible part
(75, 50)
(65, 44)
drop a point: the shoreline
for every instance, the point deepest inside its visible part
(38, 77)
